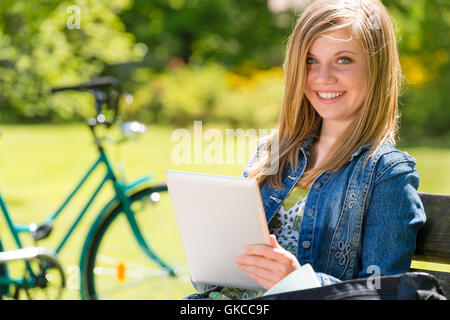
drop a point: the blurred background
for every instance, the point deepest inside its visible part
(218, 61)
(210, 60)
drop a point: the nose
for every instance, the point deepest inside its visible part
(325, 75)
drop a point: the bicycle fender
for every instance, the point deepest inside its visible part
(106, 209)
(137, 182)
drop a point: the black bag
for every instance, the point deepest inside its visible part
(405, 286)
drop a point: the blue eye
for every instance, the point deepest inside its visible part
(345, 59)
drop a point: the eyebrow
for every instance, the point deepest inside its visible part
(338, 53)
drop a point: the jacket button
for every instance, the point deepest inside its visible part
(310, 212)
(306, 244)
(317, 185)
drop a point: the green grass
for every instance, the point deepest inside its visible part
(40, 165)
(433, 165)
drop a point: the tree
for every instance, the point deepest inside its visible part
(41, 46)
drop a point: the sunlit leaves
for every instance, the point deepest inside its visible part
(39, 51)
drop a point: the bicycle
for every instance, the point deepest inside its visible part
(106, 271)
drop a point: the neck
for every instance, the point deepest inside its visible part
(331, 131)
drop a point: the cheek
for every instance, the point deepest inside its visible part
(350, 79)
(356, 83)
(359, 85)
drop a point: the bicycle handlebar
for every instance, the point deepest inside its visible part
(101, 89)
(95, 83)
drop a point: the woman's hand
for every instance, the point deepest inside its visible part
(267, 265)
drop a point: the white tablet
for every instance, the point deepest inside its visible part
(217, 217)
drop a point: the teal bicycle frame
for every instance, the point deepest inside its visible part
(122, 192)
(121, 195)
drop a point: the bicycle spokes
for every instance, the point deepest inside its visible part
(129, 256)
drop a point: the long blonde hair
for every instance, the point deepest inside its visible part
(376, 121)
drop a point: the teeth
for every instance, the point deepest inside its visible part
(328, 95)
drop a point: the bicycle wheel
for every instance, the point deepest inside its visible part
(48, 279)
(117, 267)
(4, 288)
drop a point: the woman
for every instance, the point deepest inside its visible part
(344, 198)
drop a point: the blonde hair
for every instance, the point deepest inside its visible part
(376, 121)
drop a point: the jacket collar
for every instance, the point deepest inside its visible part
(361, 149)
(306, 147)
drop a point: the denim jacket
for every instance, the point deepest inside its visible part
(357, 220)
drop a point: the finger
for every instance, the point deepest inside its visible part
(257, 271)
(254, 260)
(274, 242)
(262, 276)
(266, 251)
(260, 262)
(263, 282)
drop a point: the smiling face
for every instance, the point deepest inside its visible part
(337, 76)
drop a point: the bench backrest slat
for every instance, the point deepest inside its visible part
(433, 239)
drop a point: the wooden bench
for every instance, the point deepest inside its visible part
(432, 253)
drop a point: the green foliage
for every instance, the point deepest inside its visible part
(424, 45)
(209, 93)
(40, 51)
(198, 31)
(253, 100)
(244, 36)
(180, 59)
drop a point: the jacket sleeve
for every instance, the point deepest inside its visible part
(395, 214)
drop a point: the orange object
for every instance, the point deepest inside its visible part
(121, 271)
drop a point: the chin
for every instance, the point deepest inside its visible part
(331, 115)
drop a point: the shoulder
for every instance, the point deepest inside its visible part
(392, 162)
(261, 150)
